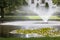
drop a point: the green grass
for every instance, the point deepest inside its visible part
(10, 18)
(32, 17)
(42, 38)
(37, 17)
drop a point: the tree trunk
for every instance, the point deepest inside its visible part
(2, 14)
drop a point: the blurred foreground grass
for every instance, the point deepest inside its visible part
(42, 38)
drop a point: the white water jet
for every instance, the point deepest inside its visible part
(42, 11)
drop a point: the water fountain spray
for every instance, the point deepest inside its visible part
(41, 10)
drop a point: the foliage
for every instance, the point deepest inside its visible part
(10, 5)
(42, 31)
(56, 2)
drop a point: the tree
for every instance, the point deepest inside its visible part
(2, 6)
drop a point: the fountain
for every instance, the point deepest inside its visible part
(36, 6)
(42, 11)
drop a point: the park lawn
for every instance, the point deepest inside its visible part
(31, 17)
(37, 17)
(42, 38)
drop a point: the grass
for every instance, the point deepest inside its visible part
(12, 18)
(42, 38)
(37, 17)
(32, 17)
